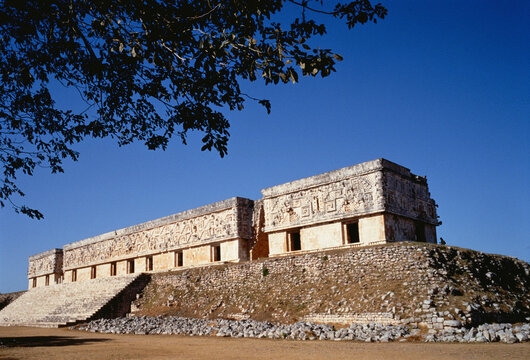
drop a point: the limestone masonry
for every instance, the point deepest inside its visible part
(416, 284)
(375, 202)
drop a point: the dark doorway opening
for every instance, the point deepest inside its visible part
(130, 266)
(420, 231)
(217, 253)
(179, 259)
(295, 241)
(149, 263)
(352, 233)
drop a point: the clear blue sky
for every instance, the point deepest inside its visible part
(441, 87)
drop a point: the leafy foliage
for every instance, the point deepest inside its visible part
(147, 70)
(264, 271)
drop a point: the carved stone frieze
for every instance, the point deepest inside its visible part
(45, 263)
(218, 225)
(367, 188)
(372, 187)
(409, 197)
(341, 199)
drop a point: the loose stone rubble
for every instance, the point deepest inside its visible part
(506, 333)
(370, 332)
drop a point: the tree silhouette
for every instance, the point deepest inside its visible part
(147, 70)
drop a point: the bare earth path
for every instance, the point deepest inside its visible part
(42, 344)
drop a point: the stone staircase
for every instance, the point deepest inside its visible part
(70, 303)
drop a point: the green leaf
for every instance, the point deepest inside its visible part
(149, 71)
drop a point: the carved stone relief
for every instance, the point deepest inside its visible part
(344, 198)
(409, 198)
(46, 264)
(210, 227)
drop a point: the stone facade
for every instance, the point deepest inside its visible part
(157, 244)
(407, 283)
(366, 204)
(385, 201)
(45, 268)
(221, 221)
(347, 192)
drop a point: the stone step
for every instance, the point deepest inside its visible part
(60, 304)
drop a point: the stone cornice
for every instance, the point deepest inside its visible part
(334, 176)
(185, 215)
(45, 254)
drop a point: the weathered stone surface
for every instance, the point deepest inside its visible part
(370, 332)
(246, 328)
(452, 323)
(60, 304)
(349, 210)
(47, 262)
(352, 283)
(375, 202)
(8, 298)
(229, 219)
(366, 188)
(495, 332)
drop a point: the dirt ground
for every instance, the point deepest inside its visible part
(42, 344)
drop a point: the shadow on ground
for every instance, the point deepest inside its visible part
(34, 341)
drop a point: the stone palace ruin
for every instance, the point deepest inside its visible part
(371, 203)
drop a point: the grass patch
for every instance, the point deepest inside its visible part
(265, 271)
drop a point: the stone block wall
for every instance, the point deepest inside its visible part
(400, 228)
(406, 194)
(164, 261)
(45, 268)
(321, 236)
(381, 318)
(224, 220)
(227, 224)
(415, 283)
(8, 298)
(103, 270)
(370, 203)
(388, 202)
(372, 229)
(336, 195)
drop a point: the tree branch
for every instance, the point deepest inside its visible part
(304, 5)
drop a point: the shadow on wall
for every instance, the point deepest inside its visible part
(6, 299)
(34, 341)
